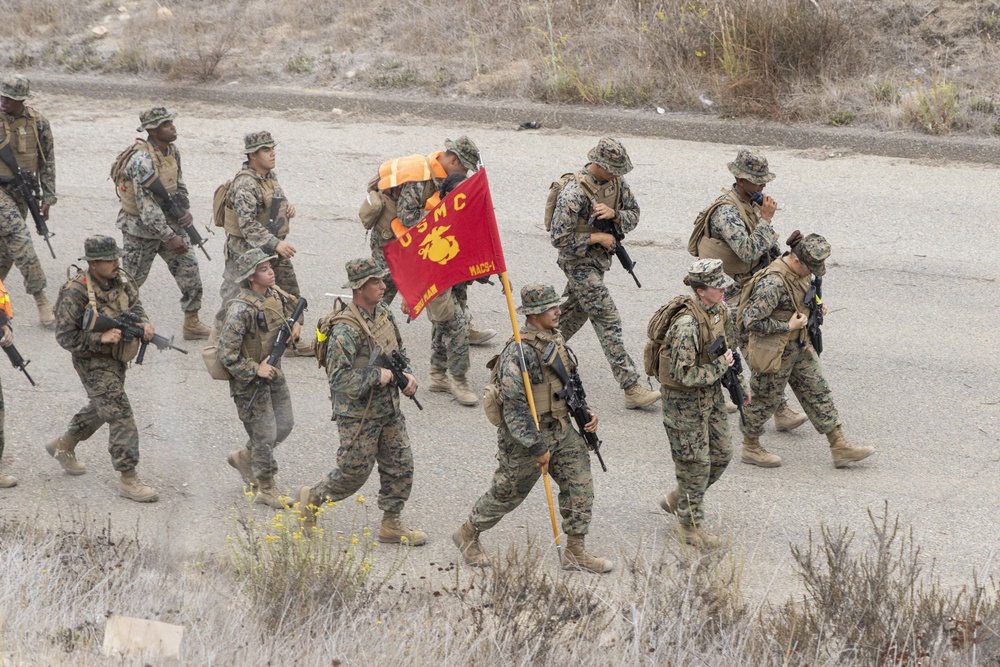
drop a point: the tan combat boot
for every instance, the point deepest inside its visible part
(466, 538)
(637, 397)
(670, 501)
(131, 487)
(45, 314)
(575, 557)
(63, 450)
(268, 494)
(7, 481)
(393, 531)
(240, 459)
(308, 504)
(480, 336)
(195, 329)
(786, 419)
(440, 382)
(756, 455)
(844, 452)
(460, 390)
(696, 537)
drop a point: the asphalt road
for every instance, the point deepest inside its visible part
(910, 342)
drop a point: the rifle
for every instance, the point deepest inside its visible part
(814, 302)
(128, 324)
(395, 364)
(176, 206)
(731, 378)
(25, 187)
(609, 227)
(771, 254)
(576, 399)
(280, 344)
(273, 214)
(16, 360)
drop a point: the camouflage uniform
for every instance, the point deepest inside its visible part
(370, 423)
(16, 247)
(145, 236)
(800, 367)
(270, 419)
(103, 376)
(587, 297)
(694, 413)
(247, 201)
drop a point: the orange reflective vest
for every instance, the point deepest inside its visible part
(5, 301)
(410, 169)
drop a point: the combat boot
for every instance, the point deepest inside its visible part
(45, 314)
(844, 452)
(131, 487)
(480, 336)
(696, 537)
(195, 329)
(7, 481)
(393, 531)
(460, 390)
(786, 419)
(466, 538)
(62, 449)
(575, 557)
(440, 382)
(669, 502)
(268, 494)
(637, 397)
(304, 349)
(240, 459)
(756, 455)
(308, 504)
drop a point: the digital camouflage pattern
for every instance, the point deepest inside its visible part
(611, 155)
(466, 150)
(152, 222)
(727, 225)
(252, 141)
(270, 419)
(46, 156)
(360, 270)
(100, 247)
(246, 264)
(519, 442)
(153, 118)
(800, 366)
(751, 166)
(139, 255)
(537, 298)
(813, 251)
(696, 423)
(709, 272)
(103, 377)
(15, 87)
(450, 340)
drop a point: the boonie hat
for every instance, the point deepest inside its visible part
(247, 263)
(612, 156)
(709, 272)
(360, 270)
(466, 150)
(101, 248)
(813, 251)
(254, 140)
(537, 298)
(751, 166)
(153, 118)
(15, 87)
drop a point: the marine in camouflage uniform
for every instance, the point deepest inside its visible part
(738, 231)
(779, 352)
(253, 321)
(30, 137)
(694, 413)
(100, 359)
(370, 423)
(526, 450)
(147, 231)
(6, 340)
(585, 256)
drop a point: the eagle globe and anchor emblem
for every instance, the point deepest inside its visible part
(439, 248)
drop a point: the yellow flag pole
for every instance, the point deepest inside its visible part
(531, 398)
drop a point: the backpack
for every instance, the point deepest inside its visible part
(656, 330)
(323, 328)
(550, 203)
(700, 230)
(492, 400)
(220, 201)
(118, 167)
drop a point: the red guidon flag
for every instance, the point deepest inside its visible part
(456, 241)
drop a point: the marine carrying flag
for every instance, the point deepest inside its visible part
(456, 241)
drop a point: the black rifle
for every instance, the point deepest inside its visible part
(609, 227)
(731, 378)
(16, 360)
(576, 399)
(273, 214)
(280, 345)
(176, 206)
(128, 323)
(814, 302)
(394, 364)
(25, 187)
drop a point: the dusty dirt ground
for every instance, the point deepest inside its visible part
(909, 341)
